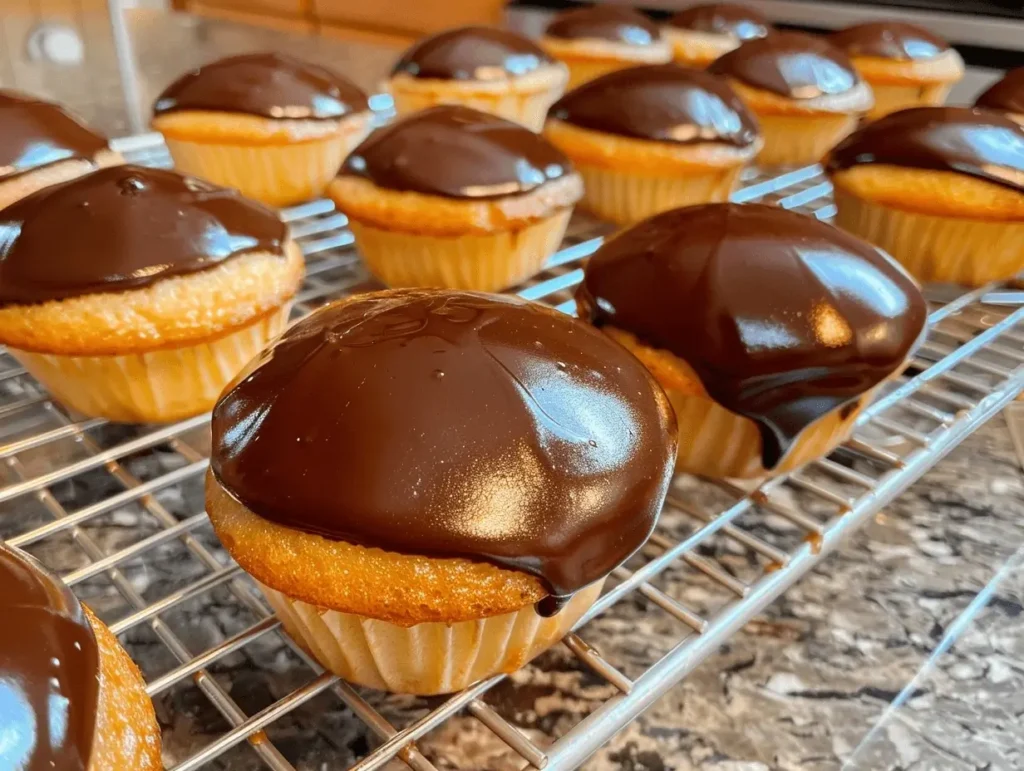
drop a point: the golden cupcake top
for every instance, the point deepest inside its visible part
(739, 22)
(122, 228)
(782, 317)
(472, 53)
(37, 133)
(889, 40)
(615, 24)
(456, 152)
(662, 102)
(1005, 95)
(979, 143)
(270, 85)
(452, 424)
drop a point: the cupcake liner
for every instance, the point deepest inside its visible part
(933, 248)
(484, 262)
(584, 70)
(891, 97)
(429, 658)
(695, 49)
(624, 197)
(799, 140)
(158, 386)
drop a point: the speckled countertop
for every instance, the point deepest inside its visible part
(905, 650)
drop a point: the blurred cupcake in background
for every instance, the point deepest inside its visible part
(1006, 96)
(700, 34)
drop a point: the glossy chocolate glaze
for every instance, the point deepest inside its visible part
(784, 318)
(456, 152)
(616, 24)
(35, 133)
(1006, 95)
(789, 64)
(472, 53)
(889, 40)
(664, 102)
(270, 85)
(49, 670)
(979, 143)
(736, 21)
(453, 424)
(122, 228)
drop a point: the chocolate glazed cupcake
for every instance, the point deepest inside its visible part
(940, 188)
(271, 126)
(431, 486)
(1006, 96)
(700, 34)
(769, 330)
(805, 93)
(452, 197)
(649, 139)
(906, 66)
(488, 69)
(135, 294)
(602, 38)
(42, 144)
(72, 699)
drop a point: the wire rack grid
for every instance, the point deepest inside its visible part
(118, 512)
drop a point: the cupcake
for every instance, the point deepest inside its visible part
(271, 126)
(939, 188)
(1006, 96)
(769, 330)
(700, 34)
(488, 69)
(430, 486)
(42, 144)
(653, 138)
(805, 92)
(905, 65)
(71, 697)
(453, 197)
(602, 38)
(136, 294)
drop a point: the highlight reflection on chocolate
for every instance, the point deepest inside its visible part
(889, 40)
(453, 424)
(737, 21)
(783, 318)
(35, 133)
(472, 53)
(616, 24)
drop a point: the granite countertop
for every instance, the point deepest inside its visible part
(905, 650)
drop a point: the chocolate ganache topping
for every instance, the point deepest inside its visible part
(889, 40)
(789, 64)
(1006, 95)
(453, 424)
(122, 228)
(49, 670)
(663, 102)
(736, 21)
(783, 317)
(605, 22)
(36, 133)
(979, 143)
(456, 152)
(271, 85)
(472, 53)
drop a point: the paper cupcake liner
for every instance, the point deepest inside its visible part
(944, 249)
(799, 140)
(624, 197)
(486, 263)
(891, 98)
(694, 49)
(158, 386)
(584, 70)
(429, 658)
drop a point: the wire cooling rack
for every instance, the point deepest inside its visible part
(118, 512)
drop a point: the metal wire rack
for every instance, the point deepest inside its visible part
(118, 512)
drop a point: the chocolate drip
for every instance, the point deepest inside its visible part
(889, 40)
(663, 102)
(789, 64)
(605, 22)
(980, 143)
(122, 228)
(783, 318)
(1006, 95)
(269, 85)
(472, 53)
(736, 21)
(36, 133)
(49, 670)
(453, 424)
(456, 152)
